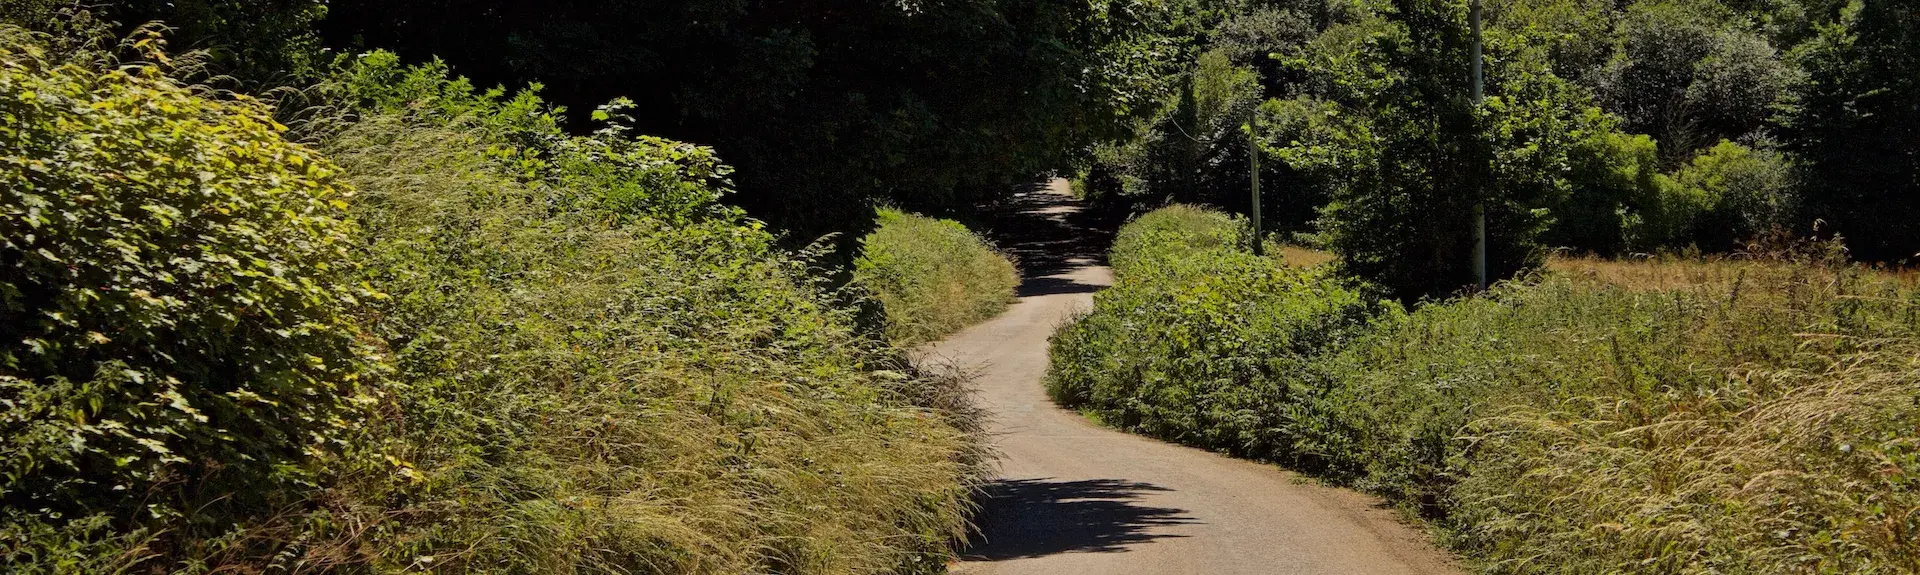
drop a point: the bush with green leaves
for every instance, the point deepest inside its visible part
(1757, 419)
(177, 356)
(931, 276)
(1199, 341)
(1172, 232)
(507, 350)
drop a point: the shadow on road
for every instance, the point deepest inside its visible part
(1038, 517)
(1047, 232)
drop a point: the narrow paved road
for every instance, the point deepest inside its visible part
(1075, 498)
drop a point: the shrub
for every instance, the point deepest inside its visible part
(1173, 232)
(1750, 192)
(1199, 341)
(176, 355)
(599, 369)
(933, 277)
(1757, 419)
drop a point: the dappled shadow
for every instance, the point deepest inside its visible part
(1038, 517)
(1048, 233)
(1051, 285)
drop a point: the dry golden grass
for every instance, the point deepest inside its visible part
(1301, 256)
(1667, 273)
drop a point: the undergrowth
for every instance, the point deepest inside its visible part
(447, 337)
(932, 276)
(1763, 424)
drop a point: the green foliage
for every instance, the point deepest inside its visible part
(265, 43)
(1759, 421)
(586, 364)
(1173, 232)
(178, 359)
(1747, 192)
(1195, 341)
(1616, 181)
(932, 277)
(1405, 157)
(1852, 127)
(926, 105)
(599, 371)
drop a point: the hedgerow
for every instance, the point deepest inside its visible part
(467, 342)
(1197, 340)
(932, 277)
(1759, 420)
(600, 368)
(177, 356)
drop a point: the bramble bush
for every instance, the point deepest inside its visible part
(932, 277)
(177, 356)
(1756, 418)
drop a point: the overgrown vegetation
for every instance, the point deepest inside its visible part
(932, 277)
(1608, 127)
(446, 337)
(1754, 418)
(179, 355)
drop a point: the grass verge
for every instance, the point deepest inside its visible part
(1766, 424)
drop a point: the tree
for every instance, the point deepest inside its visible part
(1406, 156)
(822, 105)
(1854, 127)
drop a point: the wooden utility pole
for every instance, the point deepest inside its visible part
(1253, 159)
(1479, 203)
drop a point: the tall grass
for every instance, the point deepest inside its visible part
(495, 348)
(584, 386)
(1765, 424)
(932, 276)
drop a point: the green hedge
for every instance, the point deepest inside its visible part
(932, 277)
(1763, 422)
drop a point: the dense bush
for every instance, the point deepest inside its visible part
(586, 363)
(1189, 345)
(1757, 419)
(932, 277)
(1173, 232)
(176, 355)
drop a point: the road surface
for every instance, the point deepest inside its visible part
(1075, 498)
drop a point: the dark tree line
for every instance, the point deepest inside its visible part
(1609, 127)
(823, 106)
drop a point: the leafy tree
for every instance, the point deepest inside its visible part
(1854, 128)
(1406, 156)
(262, 43)
(822, 106)
(1748, 191)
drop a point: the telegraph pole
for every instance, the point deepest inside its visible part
(1479, 203)
(1253, 159)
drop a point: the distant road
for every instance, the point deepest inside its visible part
(1074, 498)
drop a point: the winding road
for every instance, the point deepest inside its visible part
(1076, 498)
